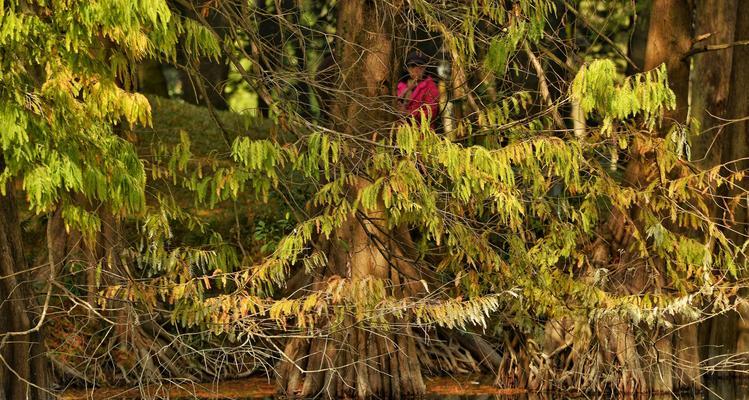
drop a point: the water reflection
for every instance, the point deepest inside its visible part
(727, 389)
(258, 389)
(717, 390)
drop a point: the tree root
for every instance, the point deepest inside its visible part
(454, 352)
(611, 355)
(356, 361)
(84, 353)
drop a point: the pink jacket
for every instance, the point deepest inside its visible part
(425, 96)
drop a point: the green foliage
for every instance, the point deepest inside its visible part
(507, 225)
(523, 20)
(512, 223)
(647, 95)
(62, 96)
(67, 115)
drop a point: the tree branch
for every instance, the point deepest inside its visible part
(602, 35)
(713, 47)
(544, 88)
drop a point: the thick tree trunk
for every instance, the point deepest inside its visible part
(711, 84)
(711, 78)
(613, 353)
(669, 39)
(736, 145)
(738, 106)
(673, 364)
(359, 359)
(727, 334)
(24, 371)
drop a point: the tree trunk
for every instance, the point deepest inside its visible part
(205, 85)
(151, 79)
(24, 371)
(669, 39)
(639, 39)
(675, 365)
(672, 365)
(736, 145)
(738, 107)
(613, 353)
(711, 78)
(359, 359)
(727, 334)
(711, 84)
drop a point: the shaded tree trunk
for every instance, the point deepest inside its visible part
(639, 39)
(669, 39)
(359, 359)
(727, 334)
(613, 352)
(710, 84)
(672, 365)
(151, 79)
(711, 78)
(738, 108)
(211, 75)
(24, 371)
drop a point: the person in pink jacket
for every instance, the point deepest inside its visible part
(419, 93)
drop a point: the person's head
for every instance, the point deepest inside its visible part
(416, 62)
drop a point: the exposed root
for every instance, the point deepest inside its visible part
(611, 355)
(89, 352)
(354, 362)
(440, 356)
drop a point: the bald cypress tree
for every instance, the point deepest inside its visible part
(64, 106)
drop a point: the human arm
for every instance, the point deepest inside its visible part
(404, 91)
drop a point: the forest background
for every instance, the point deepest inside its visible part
(199, 190)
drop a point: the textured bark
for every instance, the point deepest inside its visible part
(728, 334)
(739, 150)
(711, 78)
(614, 348)
(367, 63)
(675, 367)
(358, 359)
(713, 87)
(669, 39)
(24, 371)
(736, 144)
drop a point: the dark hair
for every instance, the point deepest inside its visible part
(416, 59)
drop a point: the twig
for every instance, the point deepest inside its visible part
(713, 47)
(198, 80)
(544, 88)
(599, 33)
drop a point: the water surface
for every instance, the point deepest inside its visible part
(440, 389)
